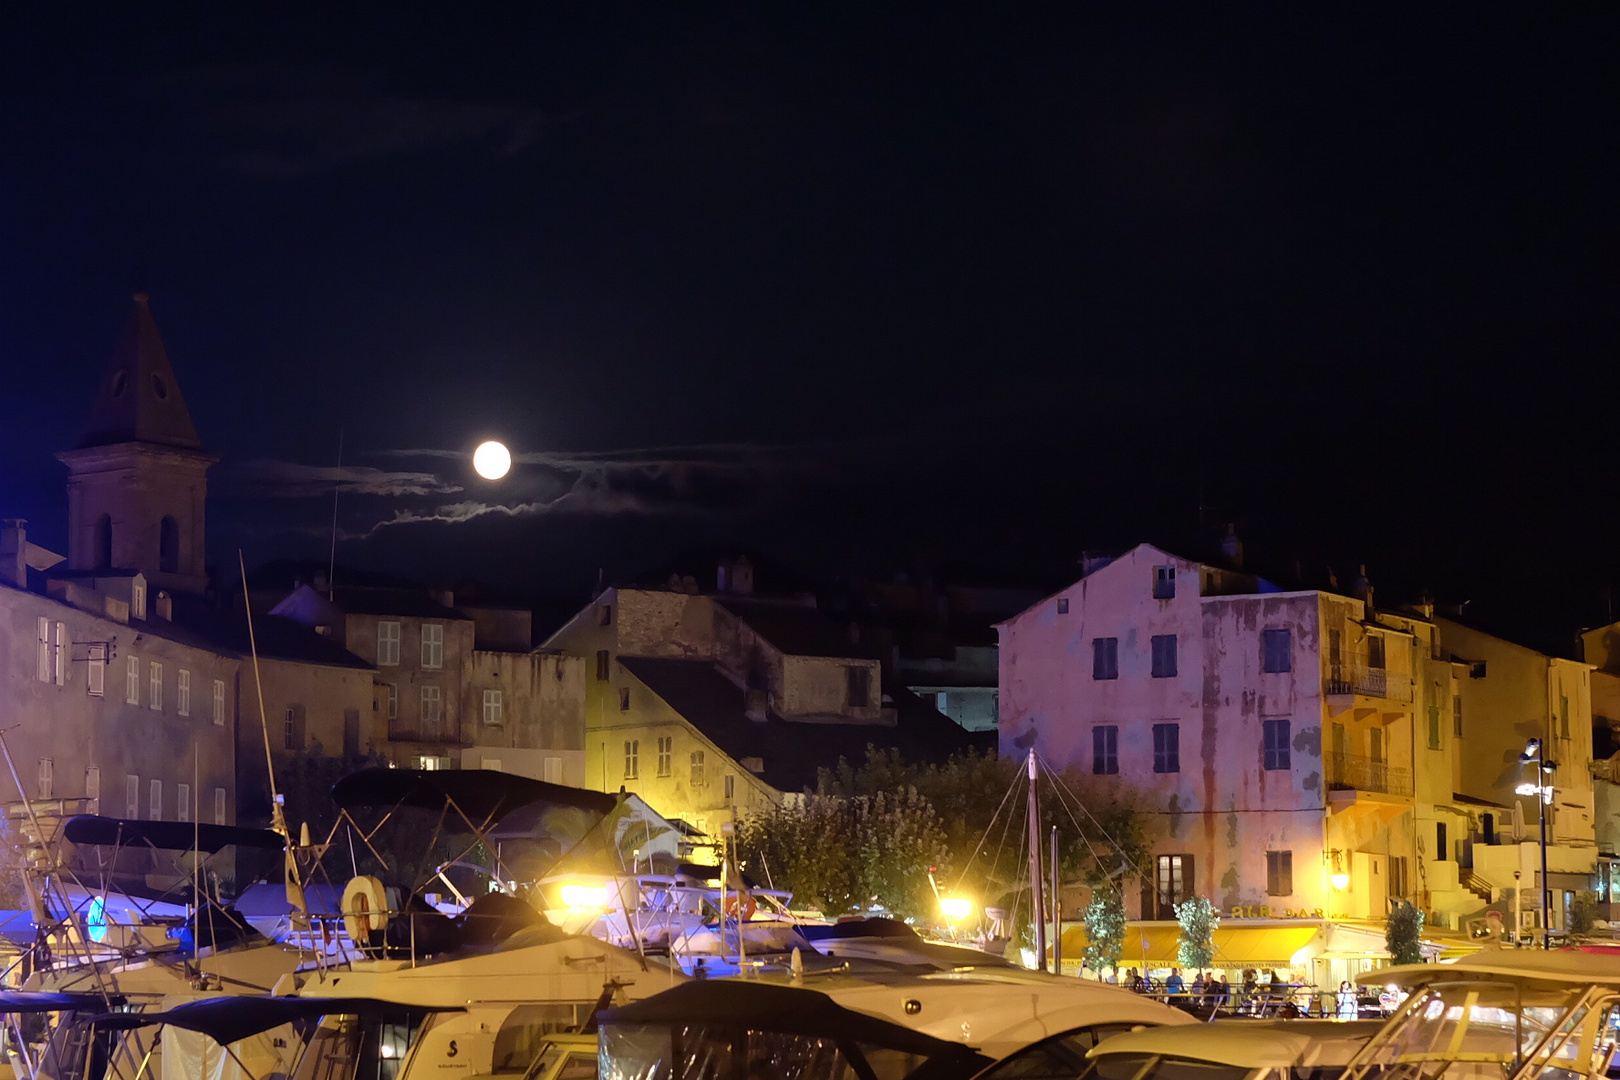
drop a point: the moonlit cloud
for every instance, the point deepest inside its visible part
(265, 478)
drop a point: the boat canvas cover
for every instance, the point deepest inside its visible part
(484, 796)
(230, 1019)
(93, 830)
(32, 1001)
(1510, 965)
(786, 1009)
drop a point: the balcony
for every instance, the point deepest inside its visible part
(1352, 677)
(444, 732)
(1353, 772)
(1366, 788)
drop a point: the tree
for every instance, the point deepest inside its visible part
(1105, 929)
(1198, 920)
(980, 804)
(1403, 933)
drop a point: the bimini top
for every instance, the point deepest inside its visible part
(482, 795)
(91, 829)
(32, 1001)
(228, 1019)
(790, 1010)
(1253, 1044)
(1506, 965)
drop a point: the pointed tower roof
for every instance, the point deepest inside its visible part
(139, 399)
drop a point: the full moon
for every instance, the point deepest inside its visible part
(492, 460)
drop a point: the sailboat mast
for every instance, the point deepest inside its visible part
(1037, 896)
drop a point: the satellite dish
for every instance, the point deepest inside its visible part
(1518, 822)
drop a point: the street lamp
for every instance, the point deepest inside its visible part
(1542, 789)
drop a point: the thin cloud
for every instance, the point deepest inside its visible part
(266, 478)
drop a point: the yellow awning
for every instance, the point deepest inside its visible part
(1157, 944)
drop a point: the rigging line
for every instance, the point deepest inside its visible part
(995, 866)
(1062, 792)
(1064, 787)
(1017, 777)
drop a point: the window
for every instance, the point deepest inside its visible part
(92, 788)
(388, 644)
(1279, 873)
(601, 665)
(731, 787)
(1563, 699)
(432, 711)
(624, 699)
(137, 600)
(1105, 658)
(1164, 656)
(1442, 850)
(1166, 748)
(104, 542)
(132, 796)
(154, 697)
(605, 615)
(391, 692)
(132, 682)
(1434, 727)
(1375, 650)
(859, 686)
(169, 548)
(1164, 583)
(44, 653)
(1173, 877)
(666, 754)
(1063, 605)
(95, 671)
(219, 806)
(155, 801)
(182, 802)
(1105, 749)
(219, 702)
(492, 707)
(1456, 716)
(632, 758)
(1398, 887)
(1279, 650)
(182, 693)
(1335, 648)
(432, 646)
(59, 664)
(1277, 746)
(698, 777)
(553, 770)
(1375, 744)
(47, 777)
(289, 728)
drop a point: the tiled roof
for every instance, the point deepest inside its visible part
(277, 638)
(793, 753)
(796, 629)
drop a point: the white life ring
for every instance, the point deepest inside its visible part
(365, 908)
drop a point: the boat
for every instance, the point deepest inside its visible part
(1220, 1050)
(804, 1026)
(1505, 1014)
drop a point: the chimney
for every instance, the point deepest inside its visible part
(735, 576)
(1232, 547)
(1361, 588)
(165, 606)
(14, 552)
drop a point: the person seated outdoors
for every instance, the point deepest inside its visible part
(1175, 984)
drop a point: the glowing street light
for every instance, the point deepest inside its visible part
(1536, 752)
(955, 908)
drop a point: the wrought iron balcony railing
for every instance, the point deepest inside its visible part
(1347, 677)
(445, 732)
(1353, 772)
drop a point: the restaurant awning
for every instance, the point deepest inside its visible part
(1158, 944)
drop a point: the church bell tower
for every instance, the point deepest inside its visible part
(138, 477)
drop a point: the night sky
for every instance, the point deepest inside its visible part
(969, 293)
